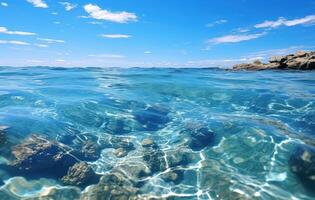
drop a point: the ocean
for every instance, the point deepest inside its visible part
(162, 133)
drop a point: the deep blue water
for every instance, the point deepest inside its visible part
(257, 118)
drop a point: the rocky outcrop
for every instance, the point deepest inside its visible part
(299, 61)
(80, 174)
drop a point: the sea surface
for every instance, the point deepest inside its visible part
(255, 121)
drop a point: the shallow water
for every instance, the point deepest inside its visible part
(258, 118)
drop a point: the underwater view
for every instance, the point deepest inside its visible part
(156, 133)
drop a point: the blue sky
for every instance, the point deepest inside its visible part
(147, 33)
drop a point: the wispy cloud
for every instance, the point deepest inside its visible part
(60, 60)
(95, 23)
(50, 41)
(6, 31)
(38, 3)
(106, 55)
(235, 38)
(14, 42)
(120, 17)
(41, 45)
(4, 4)
(307, 20)
(218, 22)
(147, 52)
(35, 61)
(115, 36)
(68, 6)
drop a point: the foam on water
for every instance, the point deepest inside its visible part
(258, 118)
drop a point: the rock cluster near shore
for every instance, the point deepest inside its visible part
(299, 61)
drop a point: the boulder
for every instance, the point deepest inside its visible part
(38, 155)
(302, 163)
(80, 174)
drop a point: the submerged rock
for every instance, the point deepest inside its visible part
(117, 142)
(121, 152)
(38, 155)
(154, 158)
(179, 157)
(299, 61)
(153, 117)
(113, 186)
(118, 126)
(199, 137)
(302, 163)
(3, 139)
(80, 174)
(175, 176)
(91, 151)
(147, 143)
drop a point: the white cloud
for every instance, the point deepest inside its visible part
(4, 4)
(6, 31)
(310, 19)
(50, 41)
(106, 56)
(60, 60)
(38, 3)
(41, 45)
(115, 36)
(147, 52)
(14, 42)
(218, 22)
(235, 38)
(57, 22)
(54, 13)
(68, 6)
(120, 17)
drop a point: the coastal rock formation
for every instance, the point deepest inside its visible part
(38, 155)
(80, 174)
(299, 61)
(302, 163)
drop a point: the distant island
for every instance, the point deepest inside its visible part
(301, 60)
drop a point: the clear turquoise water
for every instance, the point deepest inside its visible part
(258, 119)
